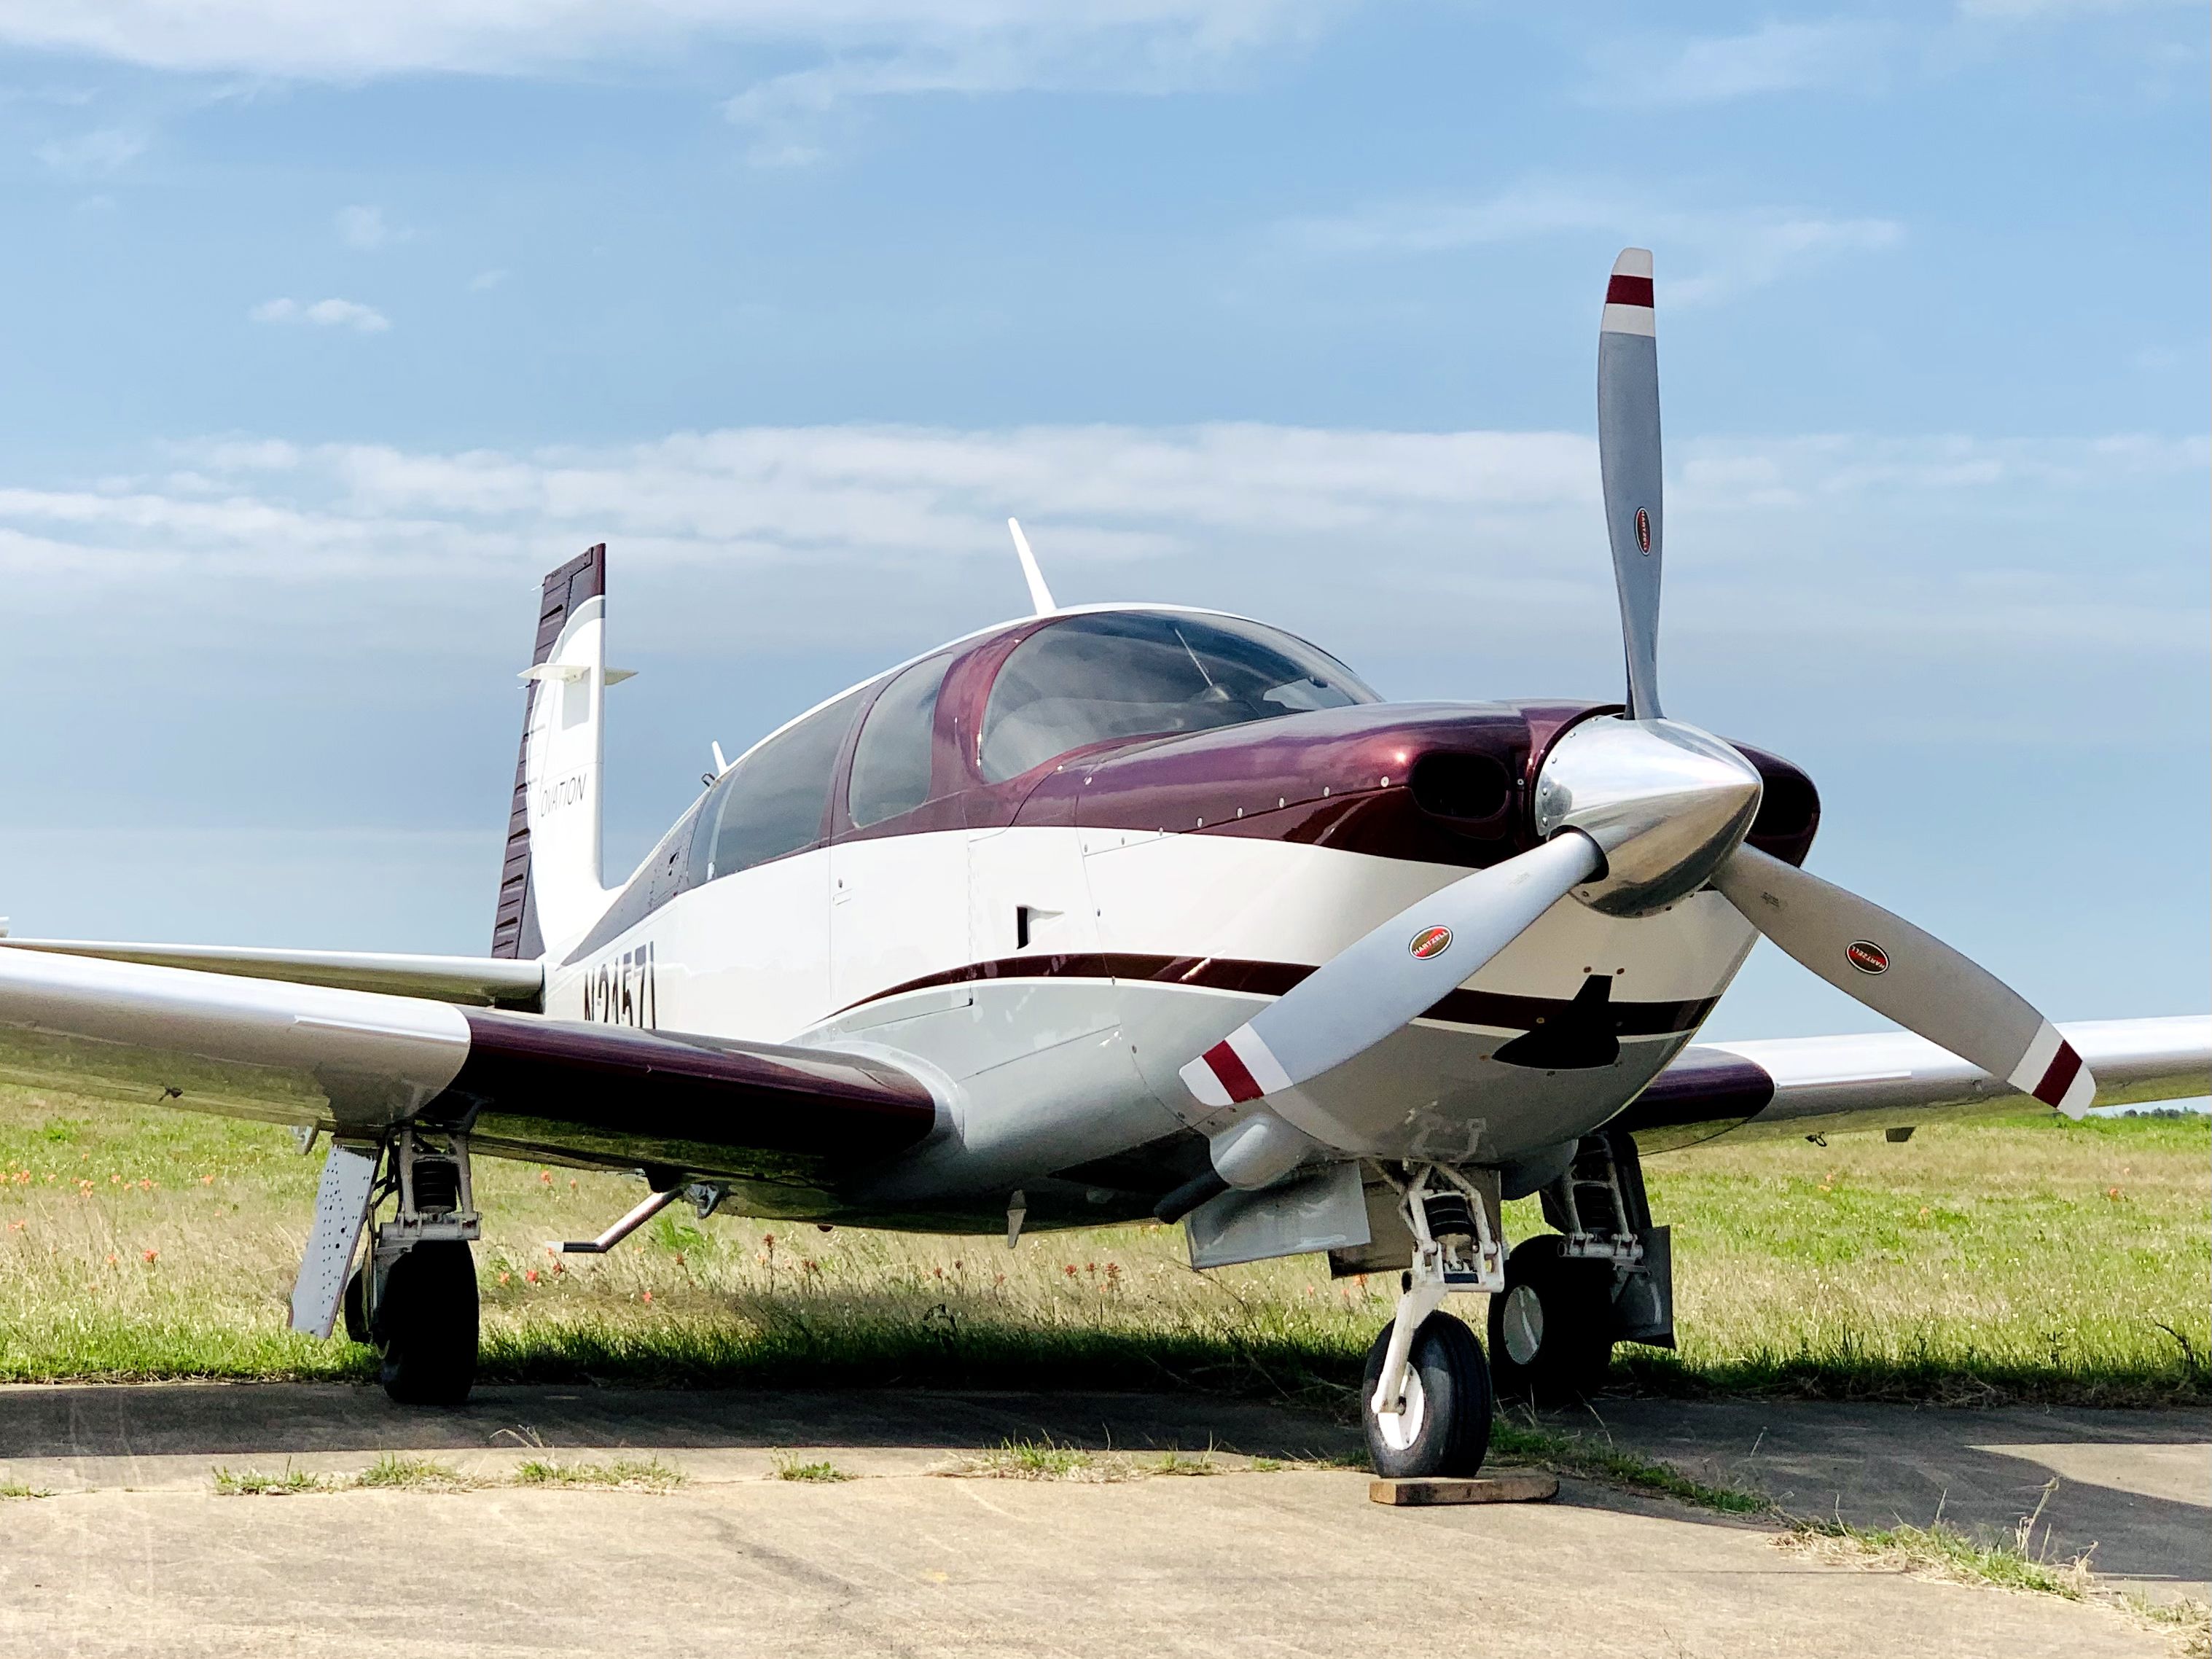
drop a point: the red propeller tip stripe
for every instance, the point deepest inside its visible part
(1629, 291)
(2059, 1075)
(1221, 1060)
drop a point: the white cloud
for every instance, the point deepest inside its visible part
(484, 281)
(845, 52)
(93, 154)
(366, 228)
(323, 313)
(2047, 10)
(1886, 541)
(1725, 251)
(1142, 48)
(281, 37)
(1777, 56)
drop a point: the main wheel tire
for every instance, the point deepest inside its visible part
(355, 1305)
(425, 1325)
(1551, 1329)
(1445, 1426)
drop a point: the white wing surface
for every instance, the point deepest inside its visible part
(1894, 1081)
(356, 1063)
(486, 982)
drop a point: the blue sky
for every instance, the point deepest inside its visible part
(322, 340)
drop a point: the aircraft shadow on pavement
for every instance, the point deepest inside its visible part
(240, 1419)
(2134, 1486)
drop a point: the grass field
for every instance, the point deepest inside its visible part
(2035, 1260)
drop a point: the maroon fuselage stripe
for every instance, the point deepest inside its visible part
(1222, 1060)
(2065, 1066)
(1628, 291)
(1273, 979)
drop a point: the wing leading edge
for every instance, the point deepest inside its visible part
(488, 981)
(1893, 1080)
(357, 1063)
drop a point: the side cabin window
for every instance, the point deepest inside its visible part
(771, 803)
(1149, 673)
(891, 762)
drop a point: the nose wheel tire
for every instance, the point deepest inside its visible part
(1551, 1329)
(425, 1325)
(1444, 1427)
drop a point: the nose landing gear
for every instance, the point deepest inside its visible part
(1442, 1425)
(1426, 1394)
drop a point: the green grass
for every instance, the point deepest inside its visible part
(2186, 1618)
(260, 1483)
(2013, 1563)
(1944, 1550)
(786, 1466)
(635, 1474)
(1040, 1460)
(17, 1489)
(2035, 1261)
(395, 1471)
(1177, 1463)
(1595, 1460)
(2032, 1260)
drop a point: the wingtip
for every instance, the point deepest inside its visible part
(1633, 261)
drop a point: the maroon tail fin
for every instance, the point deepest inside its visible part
(514, 931)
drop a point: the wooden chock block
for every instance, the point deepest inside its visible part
(1498, 1486)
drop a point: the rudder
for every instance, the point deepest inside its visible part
(549, 884)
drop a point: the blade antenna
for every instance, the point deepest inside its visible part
(1628, 460)
(1041, 600)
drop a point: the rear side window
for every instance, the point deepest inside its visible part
(891, 762)
(772, 801)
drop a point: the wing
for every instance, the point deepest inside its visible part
(488, 981)
(1895, 1081)
(357, 1063)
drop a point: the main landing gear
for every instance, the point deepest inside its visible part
(414, 1296)
(1426, 1394)
(1604, 1277)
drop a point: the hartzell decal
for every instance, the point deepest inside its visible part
(619, 991)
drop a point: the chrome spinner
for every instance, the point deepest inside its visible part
(1665, 803)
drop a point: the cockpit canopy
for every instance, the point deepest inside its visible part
(1094, 677)
(1076, 681)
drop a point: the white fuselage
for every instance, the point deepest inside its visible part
(1049, 981)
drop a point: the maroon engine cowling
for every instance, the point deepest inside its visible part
(1435, 782)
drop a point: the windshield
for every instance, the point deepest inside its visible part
(1132, 674)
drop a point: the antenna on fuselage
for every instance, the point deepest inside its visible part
(1040, 595)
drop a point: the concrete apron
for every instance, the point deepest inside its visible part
(1296, 1561)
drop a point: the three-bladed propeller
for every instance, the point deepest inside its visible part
(1639, 811)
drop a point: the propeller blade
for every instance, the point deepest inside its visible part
(1391, 975)
(1894, 969)
(1628, 460)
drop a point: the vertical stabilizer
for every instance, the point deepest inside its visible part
(549, 887)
